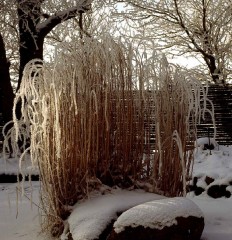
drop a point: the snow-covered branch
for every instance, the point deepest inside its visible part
(46, 26)
(202, 27)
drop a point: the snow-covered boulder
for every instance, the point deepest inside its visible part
(206, 143)
(93, 218)
(219, 190)
(166, 219)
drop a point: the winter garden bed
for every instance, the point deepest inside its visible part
(26, 226)
(215, 162)
(90, 122)
(110, 203)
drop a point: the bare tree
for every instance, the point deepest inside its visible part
(24, 25)
(199, 27)
(35, 25)
(6, 91)
(8, 51)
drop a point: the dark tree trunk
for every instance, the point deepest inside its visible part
(31, 32)
(31, 42)
(213, 69)
(6, 90)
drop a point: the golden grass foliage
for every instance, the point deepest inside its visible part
(104, 114)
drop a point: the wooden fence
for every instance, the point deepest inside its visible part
(221, 96)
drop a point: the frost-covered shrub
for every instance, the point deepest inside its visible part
(180, 102)
(102, 115)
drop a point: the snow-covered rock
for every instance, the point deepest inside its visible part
(218, 191)
(91, 218)
(205, 141)
(171, 218)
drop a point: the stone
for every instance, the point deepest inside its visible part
(198, 191)
(193, 187)
(166, 219)
(209, 180)
(190, 188)
(206, 143)
(218, 191)
(208, 147)
(195, 179)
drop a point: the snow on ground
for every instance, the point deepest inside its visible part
(11, 166)
(213, 163)
(19, 220)
(213, 170)
(24, 225)
(218, 217)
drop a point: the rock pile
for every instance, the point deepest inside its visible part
(215, 188)
(212, 169)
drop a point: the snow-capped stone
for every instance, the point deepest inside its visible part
(203, 142)
(160, 219)
(218, 191)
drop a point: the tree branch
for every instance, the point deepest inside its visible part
(206, 55)
(45, 27)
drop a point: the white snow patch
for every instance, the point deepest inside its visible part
(157, 214)
(214, 164)
(10, 166)
(201, 183)
(19, 215)
(218, 217)
(229, 188)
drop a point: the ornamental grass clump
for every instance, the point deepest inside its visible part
(104, 116)
(179, 100)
